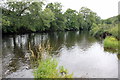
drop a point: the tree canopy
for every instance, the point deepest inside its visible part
(24, 16)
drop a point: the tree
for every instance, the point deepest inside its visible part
(89, 17)
(23, 15)
(59, 22)
(72, 19)
(47, 17)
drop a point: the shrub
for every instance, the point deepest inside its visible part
(111, 43)
(114, 31)
(48, 69)
(94, 30)
(101, 29)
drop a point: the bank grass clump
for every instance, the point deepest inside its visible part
(48, 68)
(111, 42)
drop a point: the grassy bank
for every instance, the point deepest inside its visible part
(111, 43)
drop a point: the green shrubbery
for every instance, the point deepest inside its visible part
(108, 27)
(103, 30)
(111, 42)
(49, 69)
(108, 30)
(114, 31)
(97, 30)
(94, 29)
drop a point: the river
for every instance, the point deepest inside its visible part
(80, 53)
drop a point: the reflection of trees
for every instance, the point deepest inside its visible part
(19, 44)
(56, 41)
(71, 38)
(18, 53)
(13, 46)
(82, 39)
(118, 56)
(18, 47)
(6, 51)
(85, 40)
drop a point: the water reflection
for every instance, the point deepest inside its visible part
(77, 51)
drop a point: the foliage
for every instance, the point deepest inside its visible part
(111, 43)
(106, 28)
(95, 29)
(89, 18)
(114, 31)
(71, 17)
(24, 16)
(47, 18)
(48, 69)
(59, 20)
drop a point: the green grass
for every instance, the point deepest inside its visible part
(49, 69)
(111, 42)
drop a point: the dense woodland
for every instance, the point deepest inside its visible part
(23, 17)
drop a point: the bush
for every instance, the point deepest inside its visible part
(48, 69)
(114, 31)
(111, 43)
(103, 30)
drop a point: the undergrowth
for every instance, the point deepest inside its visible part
(111, 42)
(49, 69)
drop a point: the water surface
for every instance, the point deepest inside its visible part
(80, 53)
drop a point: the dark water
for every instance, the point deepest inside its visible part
(78, 52)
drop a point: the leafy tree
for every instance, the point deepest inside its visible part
(47, 17)
(35, 21)
(81, 21)
(89, 17)
(59, 22)
(23, 15)
(72, 19)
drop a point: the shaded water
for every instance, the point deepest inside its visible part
(78, 52)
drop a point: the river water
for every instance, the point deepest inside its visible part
(80, 53)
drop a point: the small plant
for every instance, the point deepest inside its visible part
(48, 69)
